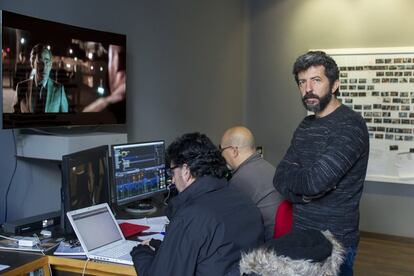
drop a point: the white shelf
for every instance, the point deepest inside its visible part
(52, 147)
(389, 179)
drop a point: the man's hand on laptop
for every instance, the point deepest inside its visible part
(147, 243)
(152, 243)
(145, 248)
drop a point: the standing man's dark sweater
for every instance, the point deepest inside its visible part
(323, 173)
(324, 169)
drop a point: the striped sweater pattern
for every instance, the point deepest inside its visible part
(323, 173)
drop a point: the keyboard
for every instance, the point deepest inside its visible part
(119, 250)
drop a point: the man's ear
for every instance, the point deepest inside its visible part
(235, 152)
(185, 173)
(335, 86)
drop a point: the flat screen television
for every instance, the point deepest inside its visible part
(138, 174)
(85, 181)
(55, 74)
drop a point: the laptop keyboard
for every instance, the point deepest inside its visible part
(118, 251)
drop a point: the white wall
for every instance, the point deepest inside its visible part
(281, 30)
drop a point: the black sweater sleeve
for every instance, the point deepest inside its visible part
(346, 144)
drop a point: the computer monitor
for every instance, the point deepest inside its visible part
(138, 174)
(85, 181)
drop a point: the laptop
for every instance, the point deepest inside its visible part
(99, 234)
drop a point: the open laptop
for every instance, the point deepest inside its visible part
(99, 234)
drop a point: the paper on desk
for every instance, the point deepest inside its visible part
(3, 267)
(155, 236)
(156, 224)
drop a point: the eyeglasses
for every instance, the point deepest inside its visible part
(223, 149)
(170, 171)
(174, 167)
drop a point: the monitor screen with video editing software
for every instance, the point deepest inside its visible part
(138, 172)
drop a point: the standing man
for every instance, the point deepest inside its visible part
(211, 223)
(39, 93)
(324, 169)
(251, 173)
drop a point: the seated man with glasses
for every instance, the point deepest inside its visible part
(211, 223)
(251, 174)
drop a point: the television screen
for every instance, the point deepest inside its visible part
(139, 172)
(56, 74)
(85, 180)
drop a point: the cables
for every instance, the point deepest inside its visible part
(9, 238)
(50, 269)
(26, 242)
(38, 243)
(84, 267)
(11, 178)
(168, 195)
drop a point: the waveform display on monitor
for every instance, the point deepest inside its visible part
(140, 182)
(139, 170)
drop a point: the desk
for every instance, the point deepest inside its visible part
(92, 268)
(22, 263)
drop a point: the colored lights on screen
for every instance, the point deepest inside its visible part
(101, 90)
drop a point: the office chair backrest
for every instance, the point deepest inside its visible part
(283, 219)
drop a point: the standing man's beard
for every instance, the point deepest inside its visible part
(323, 102)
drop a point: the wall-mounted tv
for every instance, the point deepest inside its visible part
(55, 74)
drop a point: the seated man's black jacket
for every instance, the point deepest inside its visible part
(211, 223)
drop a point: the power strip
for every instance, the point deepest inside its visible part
(28, 241)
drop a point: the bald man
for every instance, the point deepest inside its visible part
(251, 173)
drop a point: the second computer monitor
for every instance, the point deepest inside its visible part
(85, 180)
(138, 174)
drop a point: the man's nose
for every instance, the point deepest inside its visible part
(308, 87)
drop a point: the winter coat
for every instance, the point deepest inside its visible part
(268, 261)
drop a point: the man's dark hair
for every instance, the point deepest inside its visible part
(38, 49)
(199, 153)
(315, 58)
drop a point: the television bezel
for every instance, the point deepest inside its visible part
(75, 119)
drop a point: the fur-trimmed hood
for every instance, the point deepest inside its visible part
(266, 262)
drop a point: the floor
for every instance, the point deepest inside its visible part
(380, 255)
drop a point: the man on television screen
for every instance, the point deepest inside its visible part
(39, 93)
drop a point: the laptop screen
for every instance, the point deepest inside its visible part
(96, 228)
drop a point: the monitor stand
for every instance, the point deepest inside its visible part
(141, 207)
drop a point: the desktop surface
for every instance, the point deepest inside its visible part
(22, 263)
(17, 259)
